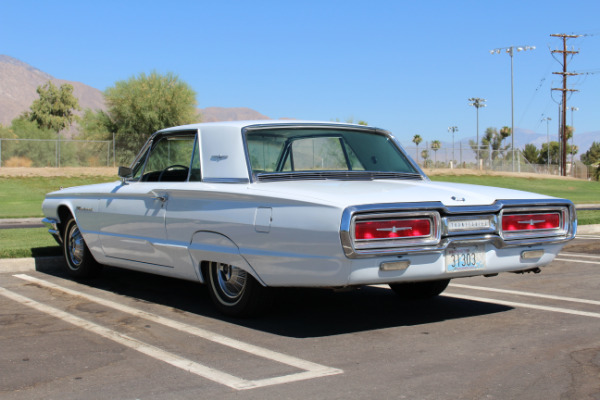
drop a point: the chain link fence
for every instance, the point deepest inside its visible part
(498, 161)
(101, 153)
(56, 153)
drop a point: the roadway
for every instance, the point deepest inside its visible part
(129, 335)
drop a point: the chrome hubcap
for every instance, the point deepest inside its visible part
(75, 246)
(231, 280)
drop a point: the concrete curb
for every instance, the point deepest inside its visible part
(588, 229)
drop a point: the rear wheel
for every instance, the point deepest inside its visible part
(419, 290)
(234, 291)
(79, 260)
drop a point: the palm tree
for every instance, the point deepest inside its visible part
(417, 140)
(435, 146)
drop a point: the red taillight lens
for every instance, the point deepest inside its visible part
(392, 229)
(529, 222)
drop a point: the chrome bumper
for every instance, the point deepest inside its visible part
(52, 226)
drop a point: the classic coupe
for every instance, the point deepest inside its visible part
(245, 206)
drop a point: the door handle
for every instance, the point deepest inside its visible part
(162, 197)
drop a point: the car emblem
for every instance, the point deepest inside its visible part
(458, 198)
(394, 229)
(532, 221)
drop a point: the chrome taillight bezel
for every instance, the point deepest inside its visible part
(561, 230)
(432, 239)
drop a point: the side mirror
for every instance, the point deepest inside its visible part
(124, 173)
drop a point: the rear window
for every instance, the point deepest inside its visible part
(320, 150)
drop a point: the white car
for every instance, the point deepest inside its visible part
(244, 206)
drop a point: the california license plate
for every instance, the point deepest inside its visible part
(465, 258)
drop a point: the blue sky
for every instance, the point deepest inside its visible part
(407, 66)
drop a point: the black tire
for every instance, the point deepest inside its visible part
(234, 291)
(79, 261)
(419, 290)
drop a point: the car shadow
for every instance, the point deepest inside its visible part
(295, 312)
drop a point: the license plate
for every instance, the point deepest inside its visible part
(465, 258)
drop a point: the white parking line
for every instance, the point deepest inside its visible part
(567, 254)
(523, 305)
(519, 293)
(311, 370)
(577, 261)
(517, 304)
(588, 237)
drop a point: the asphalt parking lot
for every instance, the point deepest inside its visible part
(129, 335)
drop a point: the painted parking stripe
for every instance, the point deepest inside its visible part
(520, 293)
(311, 370)
(523, 305)
(567, 254)
(577, 261)
(513, 303)
(132, 343)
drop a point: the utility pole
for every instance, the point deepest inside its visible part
(564, 90)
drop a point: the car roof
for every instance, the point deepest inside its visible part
(270, 122)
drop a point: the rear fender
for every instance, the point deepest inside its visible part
(213, 246)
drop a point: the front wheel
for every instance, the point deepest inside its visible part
(79, 260)
(234, 291)
(419, 290)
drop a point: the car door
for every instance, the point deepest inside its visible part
(133, 216)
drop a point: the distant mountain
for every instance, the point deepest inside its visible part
(18, 84)
(19, 81)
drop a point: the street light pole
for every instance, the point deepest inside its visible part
(453, 129)
(572, 134)
(510, 50)
(477, 103)
(547, 119)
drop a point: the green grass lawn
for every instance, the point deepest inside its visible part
(582, 192)
(21, 197)
(28, 242)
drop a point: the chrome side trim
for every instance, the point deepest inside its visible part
(226, 180)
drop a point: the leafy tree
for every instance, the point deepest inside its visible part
(592, 156)
(142, 105)
(492, 142)
(554, 153)
(531, 153)
(96, 125)
(41, 153)
(55, 108)
(417, 140)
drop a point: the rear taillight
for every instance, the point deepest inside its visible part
(531, 222)
(393, 229)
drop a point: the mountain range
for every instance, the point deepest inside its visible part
(19, 81)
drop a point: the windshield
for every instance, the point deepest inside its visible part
(285, 150)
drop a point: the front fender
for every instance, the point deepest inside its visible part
(216, 247)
